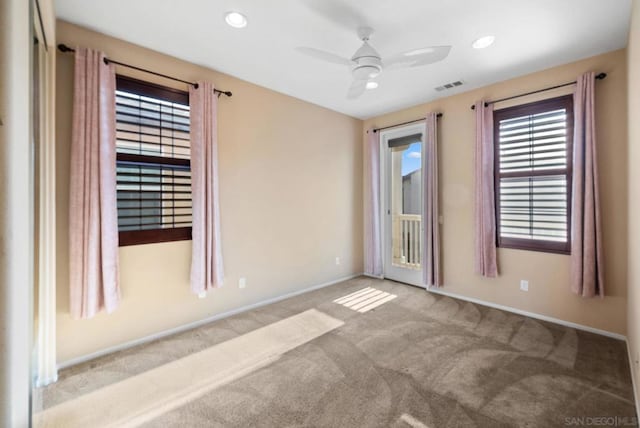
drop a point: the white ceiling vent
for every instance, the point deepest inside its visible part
(449, 85)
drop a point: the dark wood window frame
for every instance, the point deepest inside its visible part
(149, 236)
(538, 107)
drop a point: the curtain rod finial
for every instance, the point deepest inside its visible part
(473, 107)
(64, 48)
(601, 76)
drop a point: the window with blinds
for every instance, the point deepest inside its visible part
(153, 163)
(533, 165)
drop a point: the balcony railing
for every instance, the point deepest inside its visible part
(407, 245)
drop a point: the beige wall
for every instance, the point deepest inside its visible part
(291, 192)
(633, 327)
(548, 274)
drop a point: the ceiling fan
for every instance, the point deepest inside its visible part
(366, 63)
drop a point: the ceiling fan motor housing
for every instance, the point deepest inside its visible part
(367, 63)
(367, 68)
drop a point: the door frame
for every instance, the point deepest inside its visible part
(415, 278)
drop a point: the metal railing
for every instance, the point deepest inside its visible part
(407, 245)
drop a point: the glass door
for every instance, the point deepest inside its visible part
(402, 203)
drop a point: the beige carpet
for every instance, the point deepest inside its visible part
(140, 398)
(414, 360)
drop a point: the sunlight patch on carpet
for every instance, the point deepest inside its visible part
(366, 299)
(143, 397)
(411, 421)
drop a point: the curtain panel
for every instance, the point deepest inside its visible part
(93, 215)
(587, 273)
(372, 225)
(430, 207)
(207, 270)
(486, 263)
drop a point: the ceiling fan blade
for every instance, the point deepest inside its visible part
(323, 55)
(418, 57)
(340, 12)
(356, 89)
(397, 62)
(438, 54)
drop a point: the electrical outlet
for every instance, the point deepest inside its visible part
(202, 294)
(337, 260)
(242, 282)
(524, 285)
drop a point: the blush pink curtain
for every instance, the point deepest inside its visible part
(587, 276)
(372, 228)
(430, 208)
(206, 258)
(93, 216)
(486, 263)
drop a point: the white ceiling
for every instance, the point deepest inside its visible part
(530, 35)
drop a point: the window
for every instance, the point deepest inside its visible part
(533, 164)
(153, 163)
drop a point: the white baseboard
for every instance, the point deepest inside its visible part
(190, 326)
(41, 382)
(634, 383)
(530, 314)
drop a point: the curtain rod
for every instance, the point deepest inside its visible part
(65, 48)
(403, 123)
(598, 76)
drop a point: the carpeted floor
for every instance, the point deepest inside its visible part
(417, 360)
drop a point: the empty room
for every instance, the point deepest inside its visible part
(319, 213)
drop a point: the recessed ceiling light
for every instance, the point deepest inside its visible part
(483, 42)
(236, 19)
(418, 52)
(372, 85)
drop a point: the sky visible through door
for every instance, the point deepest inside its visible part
(411, 158)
